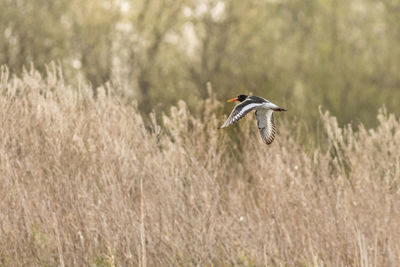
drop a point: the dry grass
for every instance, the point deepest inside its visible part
(87, 181)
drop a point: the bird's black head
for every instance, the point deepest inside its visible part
(240, 98)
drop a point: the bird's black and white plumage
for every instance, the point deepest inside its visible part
(264, 114)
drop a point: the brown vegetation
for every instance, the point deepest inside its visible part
(87, 181)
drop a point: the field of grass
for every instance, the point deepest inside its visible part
(89, 181)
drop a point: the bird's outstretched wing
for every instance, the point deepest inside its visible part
(266, 125)
(240, 111)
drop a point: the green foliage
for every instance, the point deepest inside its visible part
(300, 54)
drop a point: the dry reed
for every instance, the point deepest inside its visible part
(87, 181)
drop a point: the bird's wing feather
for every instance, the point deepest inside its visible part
(240, 111)
(266, 125)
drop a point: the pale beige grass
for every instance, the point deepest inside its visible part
(72, 167)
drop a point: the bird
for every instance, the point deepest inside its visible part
(264, 114)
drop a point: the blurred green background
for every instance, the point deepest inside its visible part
(343, 55)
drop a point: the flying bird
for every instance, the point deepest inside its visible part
(264, 114)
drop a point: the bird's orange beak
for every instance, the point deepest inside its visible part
(233, 99)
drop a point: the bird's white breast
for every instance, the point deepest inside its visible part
(267, 106)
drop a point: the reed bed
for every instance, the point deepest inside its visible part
(89, 181)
